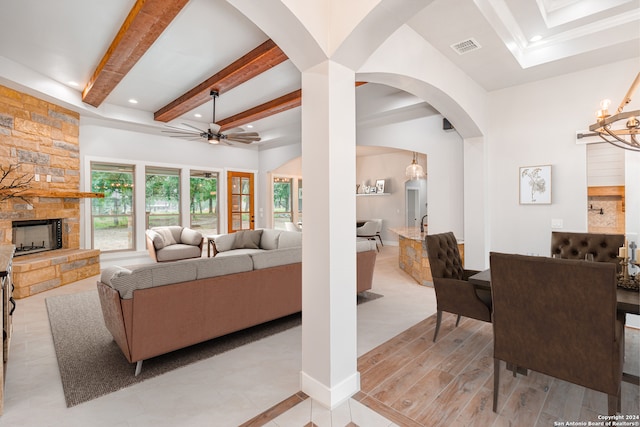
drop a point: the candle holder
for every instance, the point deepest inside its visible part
(625, 280)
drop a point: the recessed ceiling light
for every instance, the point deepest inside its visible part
(72, 83)
(198, 115)
(535, 38)
(133, 101)
(250, 126)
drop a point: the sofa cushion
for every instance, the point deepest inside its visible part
(213, 267)
(177, 252)
(224, 242)
(276, 257)
(235, 252)
(170, 234)
(269, 238)
(247, 239)
(190, 237)
(289, 239)
(125, 281)
(156, 238)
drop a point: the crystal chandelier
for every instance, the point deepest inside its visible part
(611, 128)
(414, 170)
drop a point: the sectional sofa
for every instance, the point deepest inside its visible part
(153, 309)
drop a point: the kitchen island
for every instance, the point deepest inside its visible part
(413, 258)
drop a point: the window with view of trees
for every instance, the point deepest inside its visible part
(162, 196)
(282, 202)
(112, 217)
(204, 202)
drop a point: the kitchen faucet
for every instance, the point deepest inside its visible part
(422, 224)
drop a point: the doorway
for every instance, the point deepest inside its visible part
(240, 207)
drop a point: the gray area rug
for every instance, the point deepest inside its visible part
(91, 363)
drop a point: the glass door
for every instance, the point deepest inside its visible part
(240, 196)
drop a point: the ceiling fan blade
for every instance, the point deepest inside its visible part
(193, 127)
(244, 139)
(243, 135)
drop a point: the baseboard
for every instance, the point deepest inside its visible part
(330, 397)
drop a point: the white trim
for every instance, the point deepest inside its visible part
(332, 397)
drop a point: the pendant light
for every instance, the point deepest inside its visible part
(414, 170)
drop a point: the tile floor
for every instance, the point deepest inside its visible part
(226, 390)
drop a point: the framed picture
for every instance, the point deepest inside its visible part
(380, 186)
(535, 185)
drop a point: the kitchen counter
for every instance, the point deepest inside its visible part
(413, 258)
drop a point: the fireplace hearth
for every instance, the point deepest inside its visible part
(37, 235)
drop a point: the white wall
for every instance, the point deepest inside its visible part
(445, 165)
(535, 124)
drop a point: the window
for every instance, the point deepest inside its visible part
(203, 202)
(112, 217)
(162, 196)
(282, 206)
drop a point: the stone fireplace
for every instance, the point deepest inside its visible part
(38, 235)
(40, 141)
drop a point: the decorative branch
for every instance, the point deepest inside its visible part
(12, 184)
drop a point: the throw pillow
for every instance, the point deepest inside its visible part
(156, 238)
(166, 234)
(191, 237)
(247, 239)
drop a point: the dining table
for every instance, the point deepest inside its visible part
(628, 302)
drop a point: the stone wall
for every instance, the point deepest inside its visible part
(43, 139)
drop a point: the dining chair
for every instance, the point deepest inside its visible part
(454, 293)
(378, 230)
(368, 231)
(558, 317)
(570, 245)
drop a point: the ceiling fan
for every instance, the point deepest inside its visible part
(213, 134)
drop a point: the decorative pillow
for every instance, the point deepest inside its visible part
(167, 236)
(191, 237)
(224, 242)
(247, 239)
(156, 238)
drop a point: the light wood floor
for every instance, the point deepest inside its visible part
(414, 382)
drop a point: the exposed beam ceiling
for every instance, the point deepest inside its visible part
(259, 60)
(144, 24)
(275, 106)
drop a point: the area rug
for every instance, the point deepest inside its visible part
(91, 363)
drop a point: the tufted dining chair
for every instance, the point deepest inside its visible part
(544, 320)
(604, 247)
(454, 293)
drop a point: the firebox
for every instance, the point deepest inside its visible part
(37, 235)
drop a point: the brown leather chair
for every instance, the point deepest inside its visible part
(545, 320)
(604, 247)
(454, 293)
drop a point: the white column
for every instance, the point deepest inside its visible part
(329, 355)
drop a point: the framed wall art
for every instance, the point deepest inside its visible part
(535, 185)
(380, 185)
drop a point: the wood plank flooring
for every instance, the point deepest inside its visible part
(415, 382)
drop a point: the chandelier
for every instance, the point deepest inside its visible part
(414, 170)
(611, 127)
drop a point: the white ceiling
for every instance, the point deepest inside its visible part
(64, 41)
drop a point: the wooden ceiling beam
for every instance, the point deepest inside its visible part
(275, 106)
(259, 60)
(147, 19)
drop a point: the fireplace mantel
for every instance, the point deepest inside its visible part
(57, 193)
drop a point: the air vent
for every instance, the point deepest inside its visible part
(466, 46)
